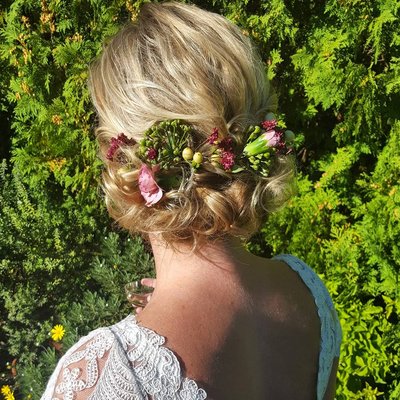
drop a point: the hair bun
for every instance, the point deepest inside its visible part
(164, 68)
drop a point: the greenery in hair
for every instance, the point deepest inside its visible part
(163, 144)
(168, 144)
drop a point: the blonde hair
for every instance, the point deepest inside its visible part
(180, 62)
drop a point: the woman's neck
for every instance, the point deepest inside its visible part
(224, 257)
(213, 280)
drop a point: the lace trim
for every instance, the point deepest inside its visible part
(137, 366)
(331, 333)
(156, 366)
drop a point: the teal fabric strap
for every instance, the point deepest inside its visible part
(331, 333)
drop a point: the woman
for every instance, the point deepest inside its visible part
(194, 161)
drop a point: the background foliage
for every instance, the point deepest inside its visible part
(336, 67)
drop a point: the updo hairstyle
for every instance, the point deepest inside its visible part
(180, 62)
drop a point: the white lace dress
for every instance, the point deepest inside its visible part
(127, 361)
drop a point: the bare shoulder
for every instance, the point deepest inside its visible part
(268, 317)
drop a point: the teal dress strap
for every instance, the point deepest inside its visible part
(331, 333)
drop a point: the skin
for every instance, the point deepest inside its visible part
(241, 326)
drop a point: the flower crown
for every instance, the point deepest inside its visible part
(169, 145)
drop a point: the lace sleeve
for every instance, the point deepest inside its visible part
(124, 361)
(93, 369)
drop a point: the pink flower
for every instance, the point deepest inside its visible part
(269, 124)
(213, 138)
(148, 187)
(112, 149)
(226, 144)
(152, 154)
(116, 143)
(227, 160)
(273, 138)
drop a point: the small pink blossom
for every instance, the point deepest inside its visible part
(227, 160)
(226, 144)
(269, 124)
(213, 138)
(148, 187)
(112, 149)
(273, 138)
(116, 143)
(152, 154)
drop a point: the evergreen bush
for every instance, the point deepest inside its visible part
(336, 68)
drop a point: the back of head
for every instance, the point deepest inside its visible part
(180, 62)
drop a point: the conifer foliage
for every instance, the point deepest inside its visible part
(336, 68)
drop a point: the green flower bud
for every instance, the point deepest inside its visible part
(253, 131)
(187, 154)
(256, 147)
(264, 143)
(198, 157)
(289, 136)
(270, 116)
(142, 149)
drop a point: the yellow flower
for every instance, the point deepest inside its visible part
(57, 333)
(7, 392)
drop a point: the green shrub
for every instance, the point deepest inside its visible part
(351, 239)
